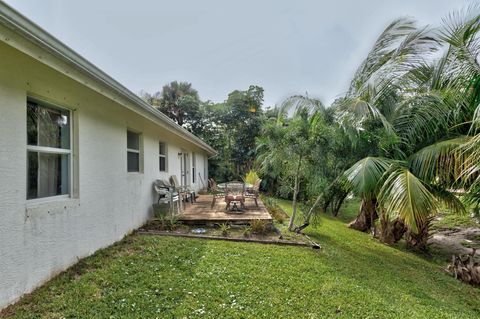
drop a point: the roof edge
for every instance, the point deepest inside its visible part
(21, 25)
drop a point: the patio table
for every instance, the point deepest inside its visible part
(234, 198)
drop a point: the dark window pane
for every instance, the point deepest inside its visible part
(47, 174)
(162, 149)
(133, 162)
(162, 164)
(133, 141)
(47, 126)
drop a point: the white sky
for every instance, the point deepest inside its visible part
(287, 47)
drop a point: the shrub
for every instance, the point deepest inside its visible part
(259, 226)
(279, 215)
(247, 231)
(275, 210)
(225, 229)
(251, 177)
(270, 202)
(172, 223)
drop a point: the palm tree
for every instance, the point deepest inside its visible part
(423, 109)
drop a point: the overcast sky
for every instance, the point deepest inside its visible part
(287, 47)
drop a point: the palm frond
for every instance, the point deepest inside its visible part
(449, 199)
(442, 162)
(300, 103)
(422, 115)
(382, 51)
(365, 175)
(461, 31)
(403, 195)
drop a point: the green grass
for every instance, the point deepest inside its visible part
(352, 276)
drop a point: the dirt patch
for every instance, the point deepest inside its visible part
(455, 241)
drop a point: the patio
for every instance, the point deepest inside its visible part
(201, 212)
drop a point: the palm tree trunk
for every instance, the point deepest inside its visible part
(295, 193)
(366, 215)
(418, 241)
(390, 231)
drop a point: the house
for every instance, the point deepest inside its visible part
(78, 156)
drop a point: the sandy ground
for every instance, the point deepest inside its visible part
(456, 241)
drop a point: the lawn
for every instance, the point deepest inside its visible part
(352, 276)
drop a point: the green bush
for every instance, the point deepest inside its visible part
(259, 226)
(275, 210)
(225, 229)
(251, 177)
(247, 231)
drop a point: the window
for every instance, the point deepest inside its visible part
(133, 152)
(194, 160)
(48, 150)
(162, 157)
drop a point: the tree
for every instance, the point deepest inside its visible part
(428, 106)
(242, 120)
(178, 100)
(287, 144)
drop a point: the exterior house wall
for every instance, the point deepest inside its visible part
(41, 238)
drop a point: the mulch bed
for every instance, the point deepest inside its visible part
(228, 238)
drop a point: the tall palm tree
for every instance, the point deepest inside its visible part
(424, 108)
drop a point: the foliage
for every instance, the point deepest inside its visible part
(275, 210)
(230, 127)
(225, 229)
(406, 132)
(259, 226)
(247, 231)
(172, 223)
(251, 177)
(423, 107)
(242, 119)
(152, 276)
(167, 221)
(178, 100)
(287, 145)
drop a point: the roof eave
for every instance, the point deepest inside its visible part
(21, 25)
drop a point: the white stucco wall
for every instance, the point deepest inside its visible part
(38, 240)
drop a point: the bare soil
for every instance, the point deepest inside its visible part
(455, 241)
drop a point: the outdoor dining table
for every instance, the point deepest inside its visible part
(234, 198)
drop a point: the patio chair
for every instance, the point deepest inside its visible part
(216, 191)
(253, 192)
(185, 191)
(168, 195)
(235, 192)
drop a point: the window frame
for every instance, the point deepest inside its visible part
(51, 150)
(160, 155)
(132, 150)
(194, 167)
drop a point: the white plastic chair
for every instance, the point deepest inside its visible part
(167, 195)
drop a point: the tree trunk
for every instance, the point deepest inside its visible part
(418, 241)
(338, 203)
(366, 215)
(391, 231)
(311, 210)
(465, 268)
(295, 193)
(326, 203)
